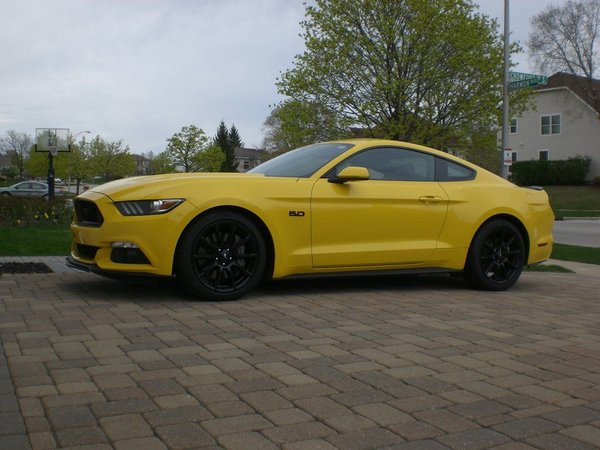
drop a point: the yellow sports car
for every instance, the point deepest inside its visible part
(346, 207)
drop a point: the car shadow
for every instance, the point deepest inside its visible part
(149, 290)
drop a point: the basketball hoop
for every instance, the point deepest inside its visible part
(52, 140)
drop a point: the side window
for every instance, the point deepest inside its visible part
(450, 171)
(393, 164)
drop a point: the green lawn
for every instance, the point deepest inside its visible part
(40, 240)
(575, 201)
(589, 255)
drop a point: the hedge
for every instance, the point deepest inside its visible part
(29, 211)
(570, 172)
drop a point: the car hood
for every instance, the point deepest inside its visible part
(158, 185)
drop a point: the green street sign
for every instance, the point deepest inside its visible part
(519, 80)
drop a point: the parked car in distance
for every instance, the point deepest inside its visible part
(29, 189)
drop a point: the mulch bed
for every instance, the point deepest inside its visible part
(24, 267)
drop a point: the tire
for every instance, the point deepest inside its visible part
(221, 257)
(6, 194)
(496, 256)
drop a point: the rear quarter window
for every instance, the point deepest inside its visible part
(446, 170)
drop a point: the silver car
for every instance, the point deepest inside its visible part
(29, 189)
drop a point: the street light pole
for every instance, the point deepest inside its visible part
(505, 105)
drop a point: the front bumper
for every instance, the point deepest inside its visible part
(152, 240)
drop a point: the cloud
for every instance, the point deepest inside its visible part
(139, 70)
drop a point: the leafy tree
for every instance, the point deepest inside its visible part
(566, 38)
(211, 159)
(78, 165)
(110, 160)
(184, 146)
(36, 164)
(17, 147)
(8, 172)
(160, 163)
(295, 123)
(420, 70)
(481, 148)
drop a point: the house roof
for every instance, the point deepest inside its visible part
(248, 153)
(588, 90)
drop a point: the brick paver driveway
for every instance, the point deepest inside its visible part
(415, 363)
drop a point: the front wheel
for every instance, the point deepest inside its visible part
(496, 257)
(221, 257)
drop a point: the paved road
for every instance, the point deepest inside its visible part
(404, 363)
(577, 232)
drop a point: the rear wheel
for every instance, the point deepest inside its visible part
(221, 257)
(496, 257)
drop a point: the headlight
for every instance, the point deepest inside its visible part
(147, 207)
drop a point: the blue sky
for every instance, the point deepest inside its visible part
(139, 70)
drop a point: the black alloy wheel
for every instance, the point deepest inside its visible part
(496, 256)
(221, 257)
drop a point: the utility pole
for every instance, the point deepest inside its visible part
(505, 105)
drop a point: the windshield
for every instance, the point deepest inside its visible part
(302, 162)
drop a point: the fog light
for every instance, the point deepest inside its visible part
(123, 244)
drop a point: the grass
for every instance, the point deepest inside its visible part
(574, 201)
(589, 255)
(547, 268)
(37, 240)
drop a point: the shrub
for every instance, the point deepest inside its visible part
(26, 211)
(570, 172)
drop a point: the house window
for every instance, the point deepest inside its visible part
(544, 155)
(246, 164)
(514, 126)
(550, 124)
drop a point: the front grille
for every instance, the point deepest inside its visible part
(87, 214)
(87, 251)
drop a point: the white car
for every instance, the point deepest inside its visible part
(29, 189)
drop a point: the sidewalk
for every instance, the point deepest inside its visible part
(592, 270)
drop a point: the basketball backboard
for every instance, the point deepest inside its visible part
(52, 140)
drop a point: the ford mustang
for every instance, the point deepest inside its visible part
(348, 207)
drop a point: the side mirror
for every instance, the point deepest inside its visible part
(351, 174)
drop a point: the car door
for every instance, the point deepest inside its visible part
(392, 219)
(38, 190)
(22, 190)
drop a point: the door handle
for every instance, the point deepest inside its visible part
(431, 199)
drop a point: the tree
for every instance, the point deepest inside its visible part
(211, 159)
(427, 71)
(295, 123)
(36, 164)
(17, 147)
(566, 38)
(184, 146)
(110, 160)
(160, 163)
(227, 140)
(234, 137)
(78, 165)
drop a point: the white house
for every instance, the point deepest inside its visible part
(565, 122)
(248, 158)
